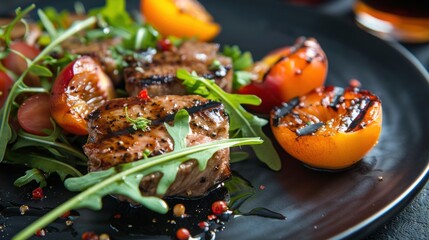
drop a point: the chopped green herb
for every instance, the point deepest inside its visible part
(216, 65)
(139, 122)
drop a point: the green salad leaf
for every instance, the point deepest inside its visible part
(46, 164)
(33, 174)
(240, 62)
(242, 123)
(20, 87)
(125, 179)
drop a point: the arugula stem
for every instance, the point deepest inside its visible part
(140, 165)
(61, 146)
(19, 86)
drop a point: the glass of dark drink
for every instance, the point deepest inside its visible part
(403, 20)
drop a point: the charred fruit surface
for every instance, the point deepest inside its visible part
(329, 128)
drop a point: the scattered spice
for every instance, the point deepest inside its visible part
(182, 234)
(40, 233)
(211, 217)
(219, 207)
(89, 236)
(37, 193)
(354, 83)
(164, 44)
(65, 215)
(380, 178)
(143, 94)
(204, 225)
(69, 223)
(23, 209)
(179, 210)
(104, 236)
(262, 187)
(117, 216)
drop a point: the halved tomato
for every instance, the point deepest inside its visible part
(181, 18)
(329, 128)
(34, 115)
(5, 85)
(80, 88)
(17, 64)
(287, 73)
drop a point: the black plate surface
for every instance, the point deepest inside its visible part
(317, 204)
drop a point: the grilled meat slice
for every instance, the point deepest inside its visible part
(112, 140)
(158, 75)
(100, 51)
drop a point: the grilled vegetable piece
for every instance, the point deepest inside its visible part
(158, 73)
(113, 139)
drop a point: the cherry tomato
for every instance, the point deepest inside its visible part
(80, 88)
(329, 128)
(17, 64)
(288, 73)
(5, 85)
(181, 18)
(34, 114)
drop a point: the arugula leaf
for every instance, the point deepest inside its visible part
(114, 13)
(40, 71)
(125, 179)
(238, 156)
(240, 191)
(241, 78)
(47, 24)
(240, 62)
(47, 165)
(19, 85)
(7, 29)
(33, 174)
(242, 123)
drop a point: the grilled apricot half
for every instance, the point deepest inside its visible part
(80, 88)
(329, 128)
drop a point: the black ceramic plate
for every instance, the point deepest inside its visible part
(317, 204)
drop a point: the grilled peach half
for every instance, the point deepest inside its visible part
(80, 88)
(329, 128)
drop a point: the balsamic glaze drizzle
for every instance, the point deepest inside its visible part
(167, 118)
(338, 93)
(363, 105)
(309, 129)
(284, 110)
(300, 43)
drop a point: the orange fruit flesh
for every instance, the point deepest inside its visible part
(342, 134)
(181, 18)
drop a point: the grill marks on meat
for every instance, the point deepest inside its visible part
(112, 141)
(158, 76)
